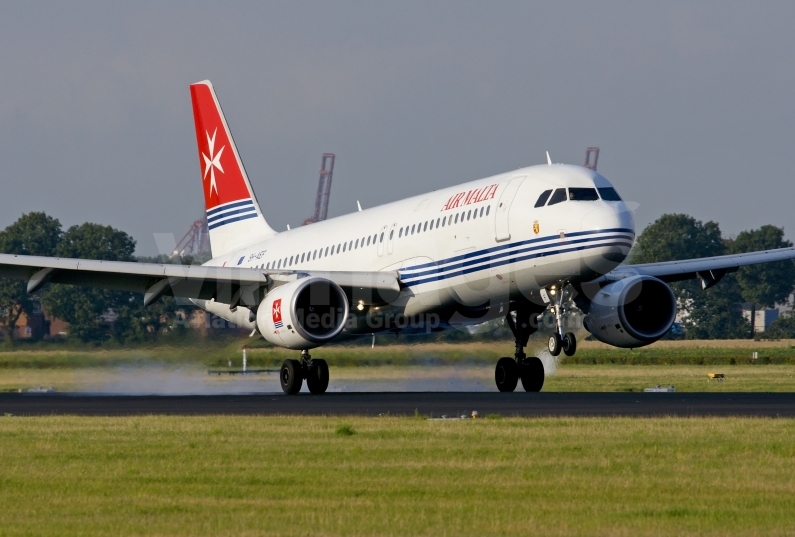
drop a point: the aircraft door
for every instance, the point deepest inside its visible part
(381, 238)
(501, 229)
(390, 239)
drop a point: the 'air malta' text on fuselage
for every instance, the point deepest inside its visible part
(472, 196)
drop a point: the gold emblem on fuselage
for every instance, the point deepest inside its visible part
(536, 227)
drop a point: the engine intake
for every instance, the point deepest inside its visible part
(303, 314)
(632, 312)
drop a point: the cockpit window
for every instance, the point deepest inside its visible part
(583, 194)
(542, 199)
(558, 196)
(609, 194)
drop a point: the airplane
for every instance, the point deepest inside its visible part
(546, 238)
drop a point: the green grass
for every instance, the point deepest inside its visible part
(396, 476)
(685, 378)
(217, 354)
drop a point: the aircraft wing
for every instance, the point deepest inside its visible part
(709, 269)
(230, 285)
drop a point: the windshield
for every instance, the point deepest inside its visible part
(609, 194)
(558, 196)
(583, 194)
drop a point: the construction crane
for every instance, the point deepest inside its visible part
(589, 153)
(323, 189)
(195, 241)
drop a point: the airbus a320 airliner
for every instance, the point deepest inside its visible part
(549, 237)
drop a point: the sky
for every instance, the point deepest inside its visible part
(691, 103)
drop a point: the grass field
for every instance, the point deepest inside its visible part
(437, 366)
(213, 354)
(396, 476)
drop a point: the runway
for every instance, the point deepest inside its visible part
(437, 404)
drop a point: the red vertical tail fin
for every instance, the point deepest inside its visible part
(234, 217)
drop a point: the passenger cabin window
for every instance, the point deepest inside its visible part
(583, 194)
(542, 199)
(558, 196)
(609, 194)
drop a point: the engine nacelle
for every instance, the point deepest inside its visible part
(632, 312)
(303, 314)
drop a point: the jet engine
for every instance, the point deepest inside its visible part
(303, 314)
(632, 312)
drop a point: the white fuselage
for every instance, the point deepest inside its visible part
(464, 252)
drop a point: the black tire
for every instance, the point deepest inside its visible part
(317, 377)
(506, 374)
(291, 377)
(554, 344)
(569, 344)
(532, 373)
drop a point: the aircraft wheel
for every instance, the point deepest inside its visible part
(569, 344)
(506, 374)
(291, 377)
(317, 377)
(554, 344)
(532, 373)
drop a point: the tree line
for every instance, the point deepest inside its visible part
(84, 308)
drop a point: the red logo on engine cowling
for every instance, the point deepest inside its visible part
(276, 310)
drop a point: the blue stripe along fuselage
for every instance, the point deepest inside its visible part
(506, 254)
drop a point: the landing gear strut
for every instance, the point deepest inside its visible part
(560, 341)
(529, 369)
(293, 373)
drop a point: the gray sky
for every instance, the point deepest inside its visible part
(691, 103)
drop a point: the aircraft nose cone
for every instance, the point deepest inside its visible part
(610, 230)
(609, 216)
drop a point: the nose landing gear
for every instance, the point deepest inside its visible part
(559, 341)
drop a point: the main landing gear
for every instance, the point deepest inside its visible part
(293, 373)
(560, 341)
(527, 368)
